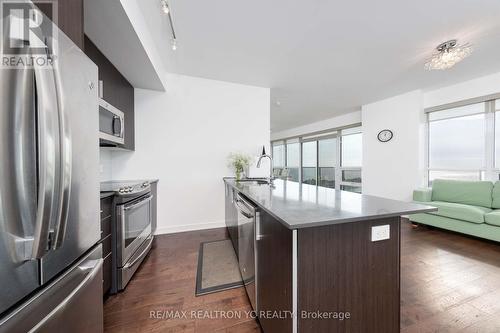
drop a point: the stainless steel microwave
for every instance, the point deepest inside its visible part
(111, 124)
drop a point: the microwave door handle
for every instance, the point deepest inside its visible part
(122, 126)
(113, 124)
(47, 155)
(66, 166)
(120, 130)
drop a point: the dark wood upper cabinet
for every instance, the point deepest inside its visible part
(68, 17)
(116, 90)
(70, 20)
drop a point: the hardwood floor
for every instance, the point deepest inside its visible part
(449, 283)
(166, 282)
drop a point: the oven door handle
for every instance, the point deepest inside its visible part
(138, 203)
(139, 257)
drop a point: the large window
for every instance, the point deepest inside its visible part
(497, 133)
(330, 159)
(463, 142)
(350, 172)
(327, 150)
(351, 148)
(293, 159)
(278, 157)
(309, 162)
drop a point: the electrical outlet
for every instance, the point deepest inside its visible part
(381, 232)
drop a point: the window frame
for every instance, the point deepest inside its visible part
(490, 171)
(316, 137)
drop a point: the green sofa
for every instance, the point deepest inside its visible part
(468, 207)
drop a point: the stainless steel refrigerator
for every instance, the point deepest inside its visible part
(50, 263)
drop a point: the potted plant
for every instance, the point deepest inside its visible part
(239, 163)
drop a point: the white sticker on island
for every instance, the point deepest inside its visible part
(381, 232)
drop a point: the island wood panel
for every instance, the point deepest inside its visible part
(341, 270)
(116, 90)
(274, 273)
(450, 282)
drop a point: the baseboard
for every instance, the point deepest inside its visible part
(189, 227)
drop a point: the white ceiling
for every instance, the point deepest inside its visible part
(323, 58)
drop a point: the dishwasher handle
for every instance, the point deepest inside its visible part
(242, 208)
(258, 234)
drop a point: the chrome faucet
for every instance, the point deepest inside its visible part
(271, 176)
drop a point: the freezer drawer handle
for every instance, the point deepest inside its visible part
(75, 292)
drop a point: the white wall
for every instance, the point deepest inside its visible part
(393, 169)
(105, 164)
(183, 137)
(335, 122)
(483, 86)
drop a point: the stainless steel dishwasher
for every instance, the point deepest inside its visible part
(248, 221)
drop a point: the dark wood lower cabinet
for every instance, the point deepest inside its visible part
(274, 275)
(341, 270)
(106, 211)
(106, 274)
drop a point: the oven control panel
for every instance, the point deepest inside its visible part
(134, 188)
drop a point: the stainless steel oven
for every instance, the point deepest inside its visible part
(111, 124)
(133, 237)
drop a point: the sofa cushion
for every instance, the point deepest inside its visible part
(474, 214)
(493, 218)
(496, 195)
(476, 193)
(422, 194)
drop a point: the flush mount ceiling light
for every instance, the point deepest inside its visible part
(448, 55)
(164, 6)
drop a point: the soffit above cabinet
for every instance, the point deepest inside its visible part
(114, 27)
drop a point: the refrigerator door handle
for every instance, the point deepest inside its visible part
(66, 163)
(48, 150)
(81, 286)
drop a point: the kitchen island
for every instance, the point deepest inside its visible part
(325, 260)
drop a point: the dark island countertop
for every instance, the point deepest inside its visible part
(301, 205)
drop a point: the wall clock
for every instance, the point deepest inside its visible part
(385, 135)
